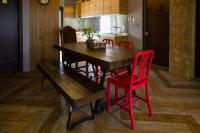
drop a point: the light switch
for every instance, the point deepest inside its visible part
(4, 1)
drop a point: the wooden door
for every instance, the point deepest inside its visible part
(9, 36)
(197, 52)
(156, 30)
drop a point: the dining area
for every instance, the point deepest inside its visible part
(87, 75)
(99, 66)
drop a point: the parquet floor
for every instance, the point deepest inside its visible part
(25, 109)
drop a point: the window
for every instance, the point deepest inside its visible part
(105, 24)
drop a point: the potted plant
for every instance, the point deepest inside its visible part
(89, 33)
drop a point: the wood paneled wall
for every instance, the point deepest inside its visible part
(182, 39)
(44, 29)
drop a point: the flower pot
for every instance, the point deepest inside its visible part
(89, 42)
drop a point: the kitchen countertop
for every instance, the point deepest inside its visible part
(115, 35)
(109, 34)
(81, 38)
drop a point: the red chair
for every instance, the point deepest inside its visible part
(133, 82)
(108, 41)
(127, 45)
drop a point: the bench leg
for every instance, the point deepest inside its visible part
(71, 125)
(92, 111)
(42, 83)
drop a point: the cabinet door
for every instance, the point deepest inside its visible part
(107, 6)
(87, 8)
(69, 11)
(99, 7)
(123, 7)
(92, 7)
(115, 6)
(83, 9)
(78, 10)
(118, 39)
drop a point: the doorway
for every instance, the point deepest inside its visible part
(156, 30)
(197, 49)
(10, 36)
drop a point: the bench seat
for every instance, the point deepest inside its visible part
(74, 87)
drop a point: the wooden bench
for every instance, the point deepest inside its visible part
(75, 88)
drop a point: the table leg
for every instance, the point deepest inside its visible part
(99, 106)
(97, 73)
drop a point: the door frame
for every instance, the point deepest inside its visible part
(20, 38)
(144, 24)
(144, 30)
(197, 44)
(20, 59)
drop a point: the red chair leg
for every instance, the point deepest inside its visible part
(96, 74)
(87, 69)
(148, 99)
(116, 92)
(108, 96)
(131, 111)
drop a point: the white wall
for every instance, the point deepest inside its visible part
(135, 28)
(26, 38)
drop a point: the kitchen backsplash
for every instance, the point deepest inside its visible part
(115, 21)
(79, 24)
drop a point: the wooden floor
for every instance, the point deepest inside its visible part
(25, 109)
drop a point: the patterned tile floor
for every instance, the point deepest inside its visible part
(25, 109)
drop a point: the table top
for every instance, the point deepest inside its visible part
(111, 58)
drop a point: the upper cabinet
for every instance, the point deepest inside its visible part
(78, 9)
(103, 7)
(107, 7)
(83, 13)
(99, 7)
(69, 11)
(119, 6)
(92, 7)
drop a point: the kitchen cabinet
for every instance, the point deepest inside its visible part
(92, 7)
(99, 7)
(69, 11)
(83, 9)
(119, 7)
(87, 8)
(107, 7)
(116, 38)
(77, 10)
(103, 7)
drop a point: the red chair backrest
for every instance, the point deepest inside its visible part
(127, 44)
(68, 35)
(108, 41)
(143, 60)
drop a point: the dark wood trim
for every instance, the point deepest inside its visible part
(144, 24)
(197, 48)
(20, 59)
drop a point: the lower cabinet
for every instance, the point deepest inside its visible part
(117, 39)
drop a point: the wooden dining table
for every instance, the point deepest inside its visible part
(109, 59)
